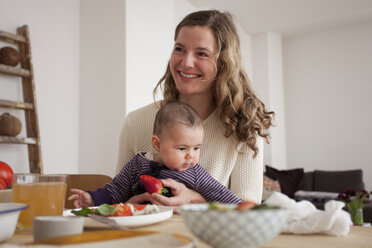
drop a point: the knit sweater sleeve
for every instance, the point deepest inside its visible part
(126, 144)
(136, 133)
(247, 175)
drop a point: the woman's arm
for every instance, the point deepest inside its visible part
(126, 151)
(136, 133)
(246, 180)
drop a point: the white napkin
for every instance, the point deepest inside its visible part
(304, 218)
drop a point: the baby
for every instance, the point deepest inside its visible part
(177, 138)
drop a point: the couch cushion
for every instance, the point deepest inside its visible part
(307, 182)
(289, 180)
(337, 181)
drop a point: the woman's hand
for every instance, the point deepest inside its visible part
(81, 198)
(181, 195)
(141, 198)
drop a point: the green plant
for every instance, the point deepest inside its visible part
(354, 202)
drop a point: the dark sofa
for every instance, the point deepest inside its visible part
(327, 183)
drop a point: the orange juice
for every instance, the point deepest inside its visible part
(43, 199)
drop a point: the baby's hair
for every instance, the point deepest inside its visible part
(174, 113)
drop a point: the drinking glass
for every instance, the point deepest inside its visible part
(44, 194)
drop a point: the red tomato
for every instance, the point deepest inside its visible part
(139, 206)
(123, 210)
(2, 184)
(246, 205)
(6, 173)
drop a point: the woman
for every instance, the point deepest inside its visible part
(205, 71)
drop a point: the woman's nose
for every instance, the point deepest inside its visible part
(188, 60)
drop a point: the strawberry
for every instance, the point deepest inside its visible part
(153, 185)
(247, 205)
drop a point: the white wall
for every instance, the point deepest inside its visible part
(268, 83)
(102, 84)
(54, 31)
(328, 83)
(148, 45)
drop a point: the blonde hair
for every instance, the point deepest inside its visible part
(238, 108)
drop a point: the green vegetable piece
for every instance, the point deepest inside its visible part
(83, 212)
(219, 206)
(106, 210)
(264, 207)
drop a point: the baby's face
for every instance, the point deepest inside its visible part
(180, 147)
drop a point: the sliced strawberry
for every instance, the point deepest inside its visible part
(122, 210)
(153, 185)
(247, 205)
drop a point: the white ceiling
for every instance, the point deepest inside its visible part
(292, 17)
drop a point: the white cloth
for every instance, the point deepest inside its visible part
(304, 218)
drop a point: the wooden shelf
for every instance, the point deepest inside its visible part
(15, 140)
(22, 41)
(17, 105)
(12, 38)
(14, 71)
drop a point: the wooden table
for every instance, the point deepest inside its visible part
(359, 237)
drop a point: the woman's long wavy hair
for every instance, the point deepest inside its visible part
(240, 111)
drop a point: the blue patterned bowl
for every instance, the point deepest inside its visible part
(233, 229)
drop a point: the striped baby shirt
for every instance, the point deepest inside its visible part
(127, 183)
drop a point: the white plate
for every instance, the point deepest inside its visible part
(130, 221)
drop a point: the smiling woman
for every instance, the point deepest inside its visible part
(205, 71)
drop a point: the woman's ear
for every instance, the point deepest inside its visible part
(155, 142)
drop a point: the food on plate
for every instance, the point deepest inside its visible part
(119, 209)
(6, 173)
(247, 205)
(244, 206)
(153, 185)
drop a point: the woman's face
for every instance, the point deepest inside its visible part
(192, 63)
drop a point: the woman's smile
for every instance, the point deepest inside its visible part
(189, 75)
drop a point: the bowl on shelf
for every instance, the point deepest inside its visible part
(9, 213)
(233, 228)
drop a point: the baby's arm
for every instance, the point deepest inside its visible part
(81, 198)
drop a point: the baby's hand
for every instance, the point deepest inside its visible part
(81, 198)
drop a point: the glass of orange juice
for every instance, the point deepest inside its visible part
(44, 194)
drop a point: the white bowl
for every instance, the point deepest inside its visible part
(9, 213)
(53, 226)
(233, 229)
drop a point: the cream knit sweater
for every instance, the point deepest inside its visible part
(231, 165)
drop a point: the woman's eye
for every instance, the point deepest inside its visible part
(178, 49)
(201, 54)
